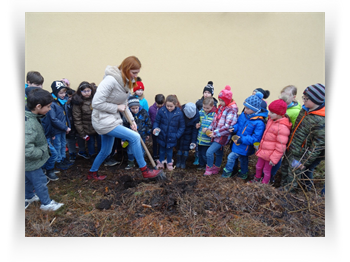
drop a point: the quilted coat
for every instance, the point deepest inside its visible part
(82, 117)
(171, 124)
(110, 93)
(224, 119)
(274, 140)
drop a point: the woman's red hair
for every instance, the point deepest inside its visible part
(129, 63)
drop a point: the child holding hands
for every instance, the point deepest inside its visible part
(225, 117)
(274, 140)
(169, 127)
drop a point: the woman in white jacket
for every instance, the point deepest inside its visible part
(110, 99)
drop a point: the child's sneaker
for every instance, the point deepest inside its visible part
(226, 174)
(242, 176)
(29, 201)
(200, 168)
(111, 162)
(72, 157)
(215, 170)
(51, 175)
(208, 171)
(84, 155)
(62, 166)
(131, 164)
(255, 180)
(52, 206)
(67, 162)
(160, 165)
(196, 161)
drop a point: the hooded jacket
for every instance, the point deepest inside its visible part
(293, 111)
(274, 141)
(110, 93)
(82, 115)
(36, 147)
(307, 140)
(190, 134)
(58, 118)
(250, 129)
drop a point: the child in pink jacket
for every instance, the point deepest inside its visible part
(274, 140)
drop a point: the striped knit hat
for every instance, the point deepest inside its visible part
(316, 93)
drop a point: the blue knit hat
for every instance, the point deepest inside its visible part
(254, 102)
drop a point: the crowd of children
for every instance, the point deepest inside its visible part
(282, 134)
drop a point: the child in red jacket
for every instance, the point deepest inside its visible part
(274, 141)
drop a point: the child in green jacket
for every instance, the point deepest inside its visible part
(36, 150)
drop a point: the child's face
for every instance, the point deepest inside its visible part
(248, 111)
(86, 92)
(170, 106)
(42, 110)
(206, 94)
(139, 92)
(159, 105)
(207, 108)
(308, 103)
(62, 93)
(134, 109)
(274, 116)
(222, 102)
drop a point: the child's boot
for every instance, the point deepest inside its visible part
(170, 166)
(226, 174)
(208, 171)
(178, 161)
(183, 161)
(243, 176)
(255, 180)
(215, 170)
(160, 165)
(95, 176)
(196, 161)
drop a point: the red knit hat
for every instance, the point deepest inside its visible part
(278, 107)
(226, 95)
(139, 86)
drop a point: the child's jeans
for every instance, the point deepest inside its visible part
(168, 152)
(60, 145)
(91, 143)
(36, 180)
(218, 150)
(50, 163)
(231, 160)
(275, 169)
(155, 146)
(107, 142)
(263, 165)
(202, 155)
(182, 153)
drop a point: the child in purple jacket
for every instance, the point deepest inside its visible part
(159, 102)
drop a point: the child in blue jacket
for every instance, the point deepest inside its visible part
(60, 122)
(169, 125)
(249, 128)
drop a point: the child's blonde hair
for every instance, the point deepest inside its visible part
(208, 101)
(290, 88)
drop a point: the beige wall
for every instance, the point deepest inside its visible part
(181, 52)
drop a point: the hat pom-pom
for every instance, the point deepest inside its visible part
(227, 87)
(210, 83)
(259, 94)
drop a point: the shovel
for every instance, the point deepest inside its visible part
(161, 174)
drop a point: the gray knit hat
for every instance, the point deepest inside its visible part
(133, 101)
(190, 110)
(254, 102)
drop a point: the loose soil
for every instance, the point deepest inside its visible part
(186, 204)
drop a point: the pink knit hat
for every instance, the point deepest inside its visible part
(226, 95)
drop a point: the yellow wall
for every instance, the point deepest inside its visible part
(181, 52)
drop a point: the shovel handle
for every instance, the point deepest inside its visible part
(143, 143)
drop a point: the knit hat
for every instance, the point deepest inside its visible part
(56, 86)
(190, 110)
(266, 93)
(209, 87)
(133, 101)
(139, 86)
(226, 95)
(254, 102)
(316, 93)
(278, 107)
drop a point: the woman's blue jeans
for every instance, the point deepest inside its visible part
(218, 150)
(107, 142)
(131, 155)
(36, 180)
(231, 160)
